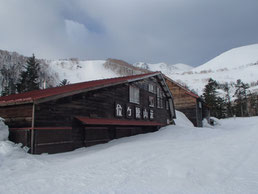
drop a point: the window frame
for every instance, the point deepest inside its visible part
(159, 98)
(151, 101)
(134, 94)
(151, 88)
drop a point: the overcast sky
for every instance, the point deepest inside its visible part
(171, 31)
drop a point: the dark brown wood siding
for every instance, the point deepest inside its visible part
(186, 103)
(95, 104)
(20, 136)
(56, 128)
(17, 115)
(52, 140)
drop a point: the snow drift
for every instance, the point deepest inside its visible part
(176, 159)
(182, 120)
(4, 132)
(8, 150)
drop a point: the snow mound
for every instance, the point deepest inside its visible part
(215, 121)
(8, 149)
(206, 124)
(182, 120)
(4, 132)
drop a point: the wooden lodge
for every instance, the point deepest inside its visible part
(188, 102)
(83, 114)
(185, 100)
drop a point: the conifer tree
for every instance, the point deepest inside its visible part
(221, 108)
(8, 80)
(64, 82)
(254, 103)
(226, 87)
(210, 96)
(241, 98)
(29, 77)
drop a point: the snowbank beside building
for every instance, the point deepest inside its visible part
(8, 150)
(4, 132)
(182, 120)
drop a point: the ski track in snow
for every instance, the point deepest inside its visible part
(176, 159)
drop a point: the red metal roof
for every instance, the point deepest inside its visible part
(92, 121)
(192, 94)
(39, 94)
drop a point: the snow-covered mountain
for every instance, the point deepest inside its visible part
(54, 71)
(75, 70)
(238, 63)
(233, 59)
(165, 68)
(78, 71)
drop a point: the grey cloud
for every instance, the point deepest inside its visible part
(174, 31)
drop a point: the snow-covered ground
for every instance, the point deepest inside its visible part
(176, 159)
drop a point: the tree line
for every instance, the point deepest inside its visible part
(28, 79)
(237, 100)
(230, 99)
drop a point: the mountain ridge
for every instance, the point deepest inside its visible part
(238, 63)
(75, 70)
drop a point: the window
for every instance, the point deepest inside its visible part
(151, 114)
(151, 101)
(134, 95)
(159, 98)
(167, 105)
(151, 88)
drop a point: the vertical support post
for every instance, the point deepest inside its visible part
(32, 130)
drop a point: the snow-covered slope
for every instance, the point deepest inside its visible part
(54, 71)
(238, 63)
(78, 71)
(165, 68)
(176, 159)
(232, 59)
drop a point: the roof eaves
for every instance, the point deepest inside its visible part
(143, 77)
(54, 97)
(17, 102)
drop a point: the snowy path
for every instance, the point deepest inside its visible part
(177, 159)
